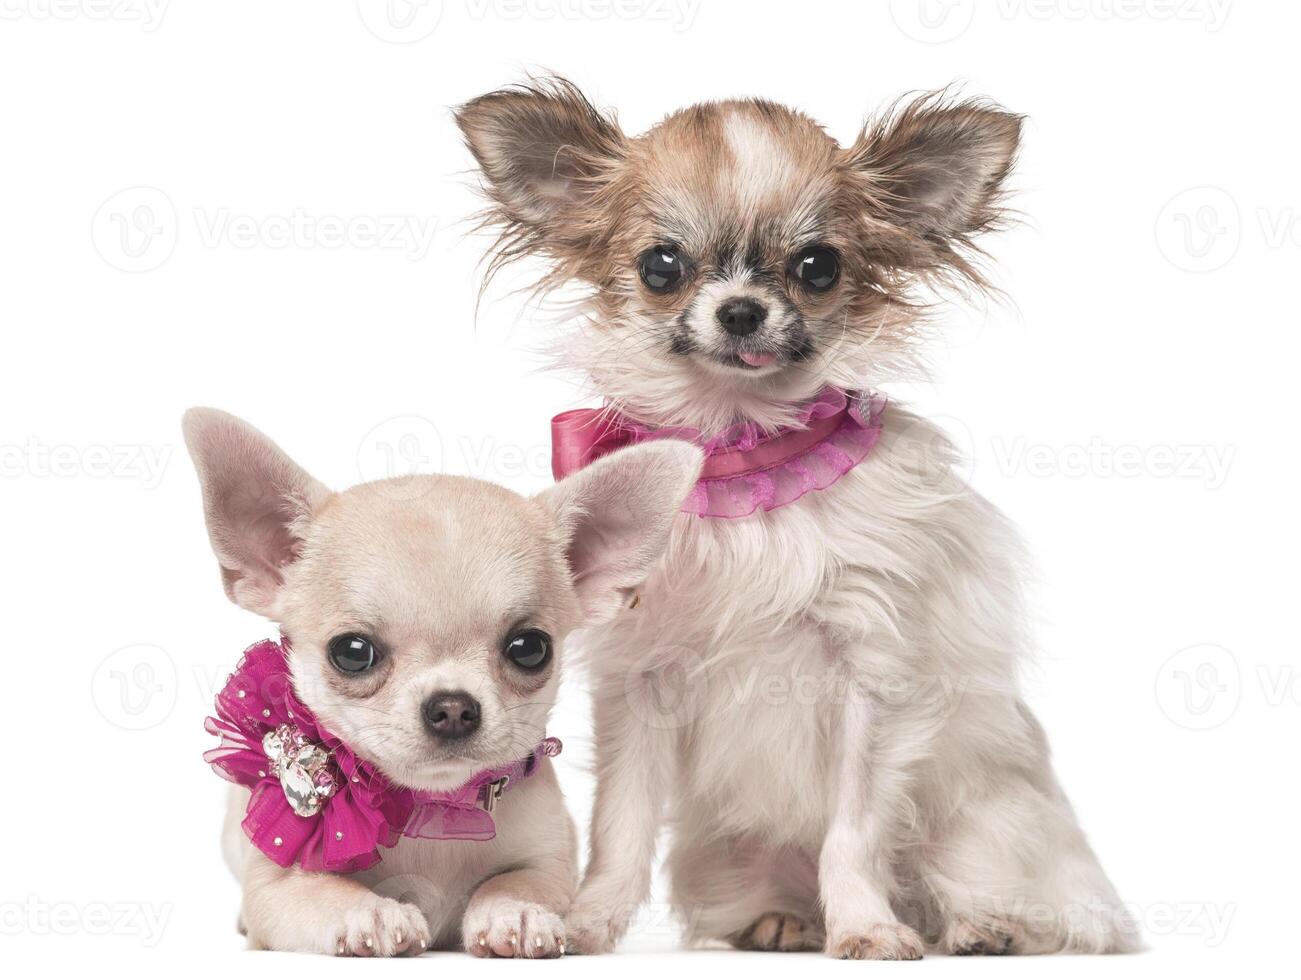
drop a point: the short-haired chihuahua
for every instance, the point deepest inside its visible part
(394, 787)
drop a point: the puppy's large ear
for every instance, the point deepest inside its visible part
(544, 151)
(937, 167)
(615, 516)
(255, 499)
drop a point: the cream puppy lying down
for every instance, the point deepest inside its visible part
(402, 797)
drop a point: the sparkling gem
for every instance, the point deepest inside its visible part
(278, 841)
(272, 745)
(299, 790)
(262, 774)
(325, 784)
(338, 835)
(311, 757)
(241, 695)
(266, 712)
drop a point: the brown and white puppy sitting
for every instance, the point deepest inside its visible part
(437, 575)
(737, 261)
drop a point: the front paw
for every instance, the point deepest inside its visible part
(592, 937)
(594, 921)
(883, 941)
(966, 938)
(513, 929)
(381, 926)
(593, 931)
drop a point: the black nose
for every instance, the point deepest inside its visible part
(740, 317)
(451, 715)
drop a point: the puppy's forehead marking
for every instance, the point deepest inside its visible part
(761, 169)
(741, 176)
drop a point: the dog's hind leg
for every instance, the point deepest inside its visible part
(1011, 872)
(751, 896)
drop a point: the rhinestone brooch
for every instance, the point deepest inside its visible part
(302, 767)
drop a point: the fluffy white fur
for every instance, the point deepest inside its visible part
(821, 701)
(826, 698)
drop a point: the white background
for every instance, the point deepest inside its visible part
(1125, 405)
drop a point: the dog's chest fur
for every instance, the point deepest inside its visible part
(753, 633)
(723, 653)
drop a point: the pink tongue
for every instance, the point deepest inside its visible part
(757, 360)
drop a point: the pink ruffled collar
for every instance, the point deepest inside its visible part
(746, 468)
(314, 802)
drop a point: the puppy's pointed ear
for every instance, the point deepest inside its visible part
(256, 501)
(937, 167)
(615, 517)
(544, 151)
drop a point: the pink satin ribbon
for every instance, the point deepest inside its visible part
(583, 435)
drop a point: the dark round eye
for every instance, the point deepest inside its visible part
(817, 268)
(529, 649)
(661, 269)
(353, 653)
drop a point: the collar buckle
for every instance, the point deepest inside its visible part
(492, 793)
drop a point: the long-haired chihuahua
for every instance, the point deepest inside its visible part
(848, 765)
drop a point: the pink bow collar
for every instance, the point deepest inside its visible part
(746, 468)
(314, 802)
